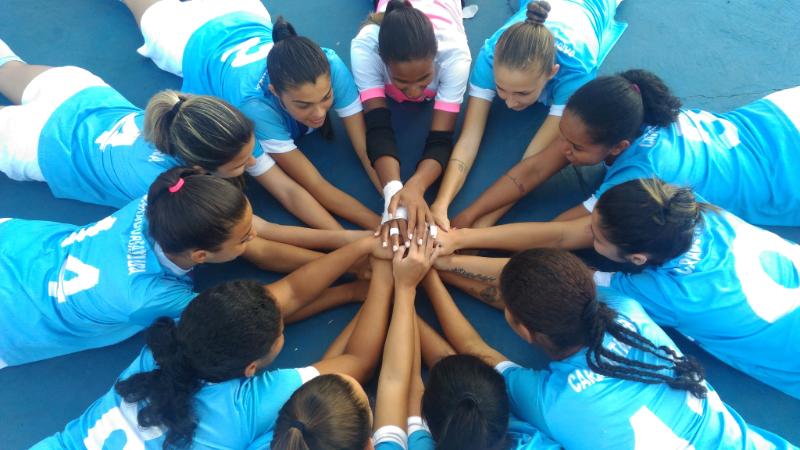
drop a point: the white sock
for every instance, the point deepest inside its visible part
(6, 54)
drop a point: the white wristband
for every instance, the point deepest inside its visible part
(389, 191)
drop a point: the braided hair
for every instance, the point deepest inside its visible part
(551, 291)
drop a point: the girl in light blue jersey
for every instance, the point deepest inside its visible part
(67, 288)
(286, 84)
(202, 382)
(744, 160)
(616, 380)
(731, 287)
(73, 131)
(330, 415)
(543, 53)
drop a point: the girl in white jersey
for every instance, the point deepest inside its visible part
(285, 83)
(411, 51)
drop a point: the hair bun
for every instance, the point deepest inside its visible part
(537, 12)
(282, 30)
(397, 5)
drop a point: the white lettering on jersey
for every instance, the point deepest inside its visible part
(91, 231)
(650, 432)
(122, 418)
(124, 132)
(690, 259)
(86, 277)
(768, 299)
(582, 379)
(244, 56)
(137, 250)
(156, 156)
(695, 126)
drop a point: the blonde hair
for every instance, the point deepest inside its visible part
(528, 45)
(198, 129)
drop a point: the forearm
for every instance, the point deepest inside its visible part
(522, 236)
(417, 388)
(344, 205)
(576, 212)
(427, 172)
(357, 131)
(488, 293)
(297, 200)
(304, 284)
(308, 237)
(329, 298)
(388, 169)
(433, 347)
(459, 332)
(477, 268)
(277, 256)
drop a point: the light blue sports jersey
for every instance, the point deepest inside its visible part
(230, 414)
(91, 149)
(227, 57)
(584, 31)
(65, 288)
(521, 436)
(745, 161)
(736, 292)
(582, 409)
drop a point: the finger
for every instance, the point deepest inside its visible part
(397, 257)
(394, 234)
(422, 226)
(403, 231)
(412, 224)
(393, 203)
(443, 222)
(385, 234)
(437, 250)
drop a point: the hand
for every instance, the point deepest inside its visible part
(392, 237)
(448, 242)
(379, 251)
(463, 220)
(419, 215)
(439, 213)
(411, 268)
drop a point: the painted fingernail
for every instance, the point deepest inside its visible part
(411, 235)
(385, 244)
(395, 247)
(408, 244)
(419, 241)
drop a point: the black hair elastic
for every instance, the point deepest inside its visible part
(299, 425)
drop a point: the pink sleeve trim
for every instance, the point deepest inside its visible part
(446, 106)
(369, 94)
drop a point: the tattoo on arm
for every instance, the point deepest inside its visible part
(489, 295)
(517, 183)
(460, 271)
(462, 167)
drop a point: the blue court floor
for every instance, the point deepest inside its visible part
(715, 54)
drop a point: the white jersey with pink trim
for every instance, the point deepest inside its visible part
(452, 60)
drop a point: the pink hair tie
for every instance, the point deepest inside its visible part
(177, 186)
(635, 87)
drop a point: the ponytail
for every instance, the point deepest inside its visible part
(222, 331)
(406, 34)
(465, 404)
(294, 60)
(551, 292)
(189, 209)
(324, 414)
(528, 45)
(197, 129)
(618, 107)
(650, 216)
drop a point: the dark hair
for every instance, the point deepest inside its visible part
(221, 332)
(200, 214)
(651, 216)
(406, 34)
(466, 405)
(199, 129)
(324, 414)
(551, 291)
(528, 45)
(294, 61)
(618, 107)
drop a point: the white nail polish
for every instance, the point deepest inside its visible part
(394, 248)
(385, 244)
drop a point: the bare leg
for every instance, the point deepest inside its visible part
(485, 292)
(343, 294)
(15, 77)
(138, 7)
